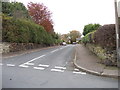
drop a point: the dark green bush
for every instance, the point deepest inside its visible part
(25, 31)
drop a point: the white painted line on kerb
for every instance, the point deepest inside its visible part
(23, 66)
(79, 72)
(10, 65)
(42, 65)
(60, 67)
(35, 59)
(40, 68)
(29, 63)
(57, 70)
(54, 50)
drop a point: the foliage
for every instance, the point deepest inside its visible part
(89, 38)
(74, 34)
(41, 15)
(106, 36)
(25, 31)
(15, 9)
(89, 28)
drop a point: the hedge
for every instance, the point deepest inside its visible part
(104, 36)
(24, 31)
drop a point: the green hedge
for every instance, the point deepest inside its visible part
(89, 38)
(25, 31)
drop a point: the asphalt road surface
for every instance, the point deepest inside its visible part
(49, 68)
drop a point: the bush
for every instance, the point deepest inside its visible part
(90, 28)
(89, 38)
(24, 31)
(105, 36)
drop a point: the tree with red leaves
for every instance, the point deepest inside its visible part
(41, 15)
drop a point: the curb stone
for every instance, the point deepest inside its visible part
(92, 72)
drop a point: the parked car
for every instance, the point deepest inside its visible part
(64, 43)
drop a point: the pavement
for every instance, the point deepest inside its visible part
(49, 68)
(88, 62)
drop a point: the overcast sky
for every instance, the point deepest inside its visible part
(74, 14)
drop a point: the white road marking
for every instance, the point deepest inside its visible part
(10, 65)
(79, 72)
(57, 70)
(54, 51)
(40, 68)
(24, 66)
(42, 65)
(60, 67)
(1, 64)
(29, 63)
(35, 59)
(76, 69)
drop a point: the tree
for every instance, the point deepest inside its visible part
(41, 15)
(89, 28)
(74, 34)
(15, 9)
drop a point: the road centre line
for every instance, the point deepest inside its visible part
(57, 70)
(54, 50)
(40, 68)
(10, 65)
(58, 67)
(35, 59)
(42, 65)
(79, 72)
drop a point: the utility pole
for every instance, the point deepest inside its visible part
(117, 32)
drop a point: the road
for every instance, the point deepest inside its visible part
(49, 68)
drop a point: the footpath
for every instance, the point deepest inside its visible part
(88, 62)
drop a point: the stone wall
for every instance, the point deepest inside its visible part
(108, 58)
(14, 47)
(4, 47)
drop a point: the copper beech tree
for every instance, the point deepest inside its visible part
(41, 15)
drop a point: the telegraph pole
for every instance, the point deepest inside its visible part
(117, 31)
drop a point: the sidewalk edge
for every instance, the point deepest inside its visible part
(90, 71)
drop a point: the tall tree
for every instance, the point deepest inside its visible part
(41, 15)
(90, 27)
(15, 9)
(74, 34)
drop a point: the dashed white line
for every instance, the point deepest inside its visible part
(40, 68)
(57, 70)
(76, 69)
(42, 65)
(10, 65)
(58, 67)
(79, 72)
(24, 66)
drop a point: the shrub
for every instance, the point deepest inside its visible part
(105, 36)
(25, 31)
(89, 38)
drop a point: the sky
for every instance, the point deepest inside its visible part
(70, 15)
